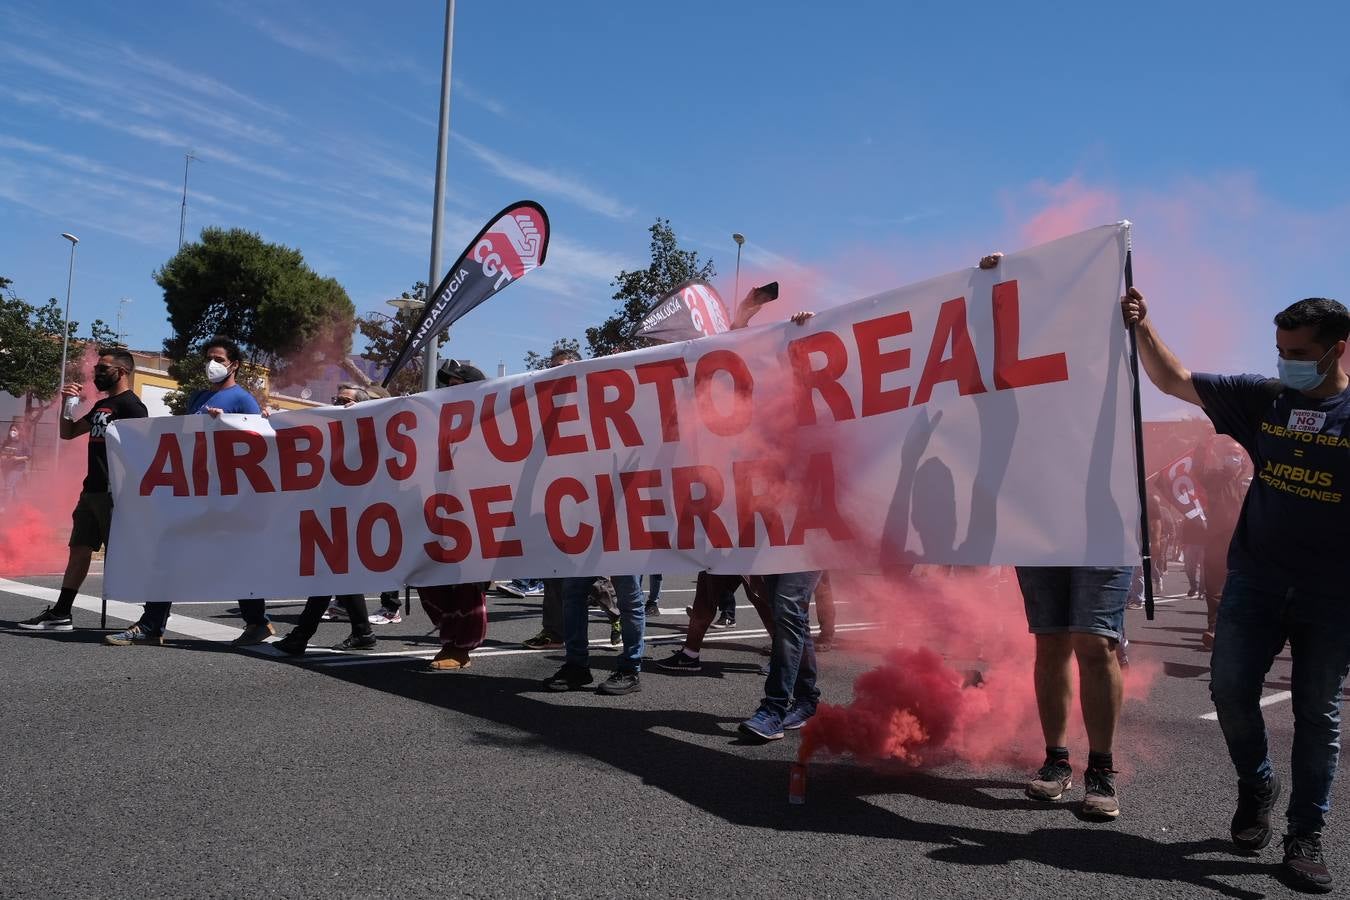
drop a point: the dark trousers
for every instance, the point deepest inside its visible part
(709, 591)
(156, 616)
(312, 615)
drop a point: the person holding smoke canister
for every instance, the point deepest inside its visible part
(362, 636)
(790, 692)
(1288, 568)
(92, 517)
(225, 395)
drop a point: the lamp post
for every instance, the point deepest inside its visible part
(739, 239)
(438, 208)
(65, 346)
(412, 303)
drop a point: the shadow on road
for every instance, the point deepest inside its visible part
(744, 789)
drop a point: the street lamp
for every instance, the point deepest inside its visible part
(65, 346)
(739, 239)
(413, 304)
(438, 202)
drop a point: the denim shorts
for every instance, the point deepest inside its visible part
(1075, 599)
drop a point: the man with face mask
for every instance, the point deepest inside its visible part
(92, 517)
(225, 395)
(14, 455)
(1287, 564)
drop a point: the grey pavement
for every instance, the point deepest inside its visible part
(197, 770)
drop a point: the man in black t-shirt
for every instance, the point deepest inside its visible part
(1288, 567)
(92, 517)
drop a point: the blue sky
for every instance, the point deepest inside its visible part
(869, 144)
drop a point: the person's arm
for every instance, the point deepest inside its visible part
(750, 306)
(73, 428)
(1162, 367)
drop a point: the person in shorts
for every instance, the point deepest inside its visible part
(1077, 613)
(92, 519)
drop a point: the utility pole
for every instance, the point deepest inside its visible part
(442, 148)
(182, 215)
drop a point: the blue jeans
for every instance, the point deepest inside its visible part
(576, 617)
(653, 588)
(156, 615)
(1257, 615)
(792, 662)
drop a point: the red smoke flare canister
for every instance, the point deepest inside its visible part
(797, 784)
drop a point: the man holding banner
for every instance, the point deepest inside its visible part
(1287, 564)
(225, 395)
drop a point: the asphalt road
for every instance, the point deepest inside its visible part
(196, 770)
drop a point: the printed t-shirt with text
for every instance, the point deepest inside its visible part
(1295, 517)
(125, 405)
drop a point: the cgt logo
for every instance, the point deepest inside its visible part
(705, 310)
(1183, 488)
(511, 250)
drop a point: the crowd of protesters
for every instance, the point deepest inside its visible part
(1269, 560)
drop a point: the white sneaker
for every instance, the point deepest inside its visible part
(386, 617)
(333, 613)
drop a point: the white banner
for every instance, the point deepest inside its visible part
(982, 417)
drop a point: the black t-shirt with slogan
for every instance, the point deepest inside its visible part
(125, 405)
(1295, 518)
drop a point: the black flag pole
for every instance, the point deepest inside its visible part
(1145, 552)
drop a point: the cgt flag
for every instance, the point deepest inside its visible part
(511, 245)
(692, 310)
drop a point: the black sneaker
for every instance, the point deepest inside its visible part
(1099, 797)
(357, 642)
(291, 645)
(1303, 863)
(652, 609)
(47, 621)
(623, 681)
(1053, 779)
(570, 677)
(1251, 822)
(725, 621)
(679, 661)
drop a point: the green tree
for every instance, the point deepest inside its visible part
(638, 291)
(261, 295)
(385, 336)
(30, 349)
(536, 361)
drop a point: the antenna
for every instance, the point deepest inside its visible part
(182, 215)
(121, 305)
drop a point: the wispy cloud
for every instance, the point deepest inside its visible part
(316, 40)
(75, 162)
(547, 182)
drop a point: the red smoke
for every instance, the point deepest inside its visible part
(924, 704)
(36, 524)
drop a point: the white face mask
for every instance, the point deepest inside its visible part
(13, 435)
(216, 371)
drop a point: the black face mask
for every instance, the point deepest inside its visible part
(105, 381)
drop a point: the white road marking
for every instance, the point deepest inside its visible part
(1268, 700)
(214, 631)
(126, 612)
(336, 658)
